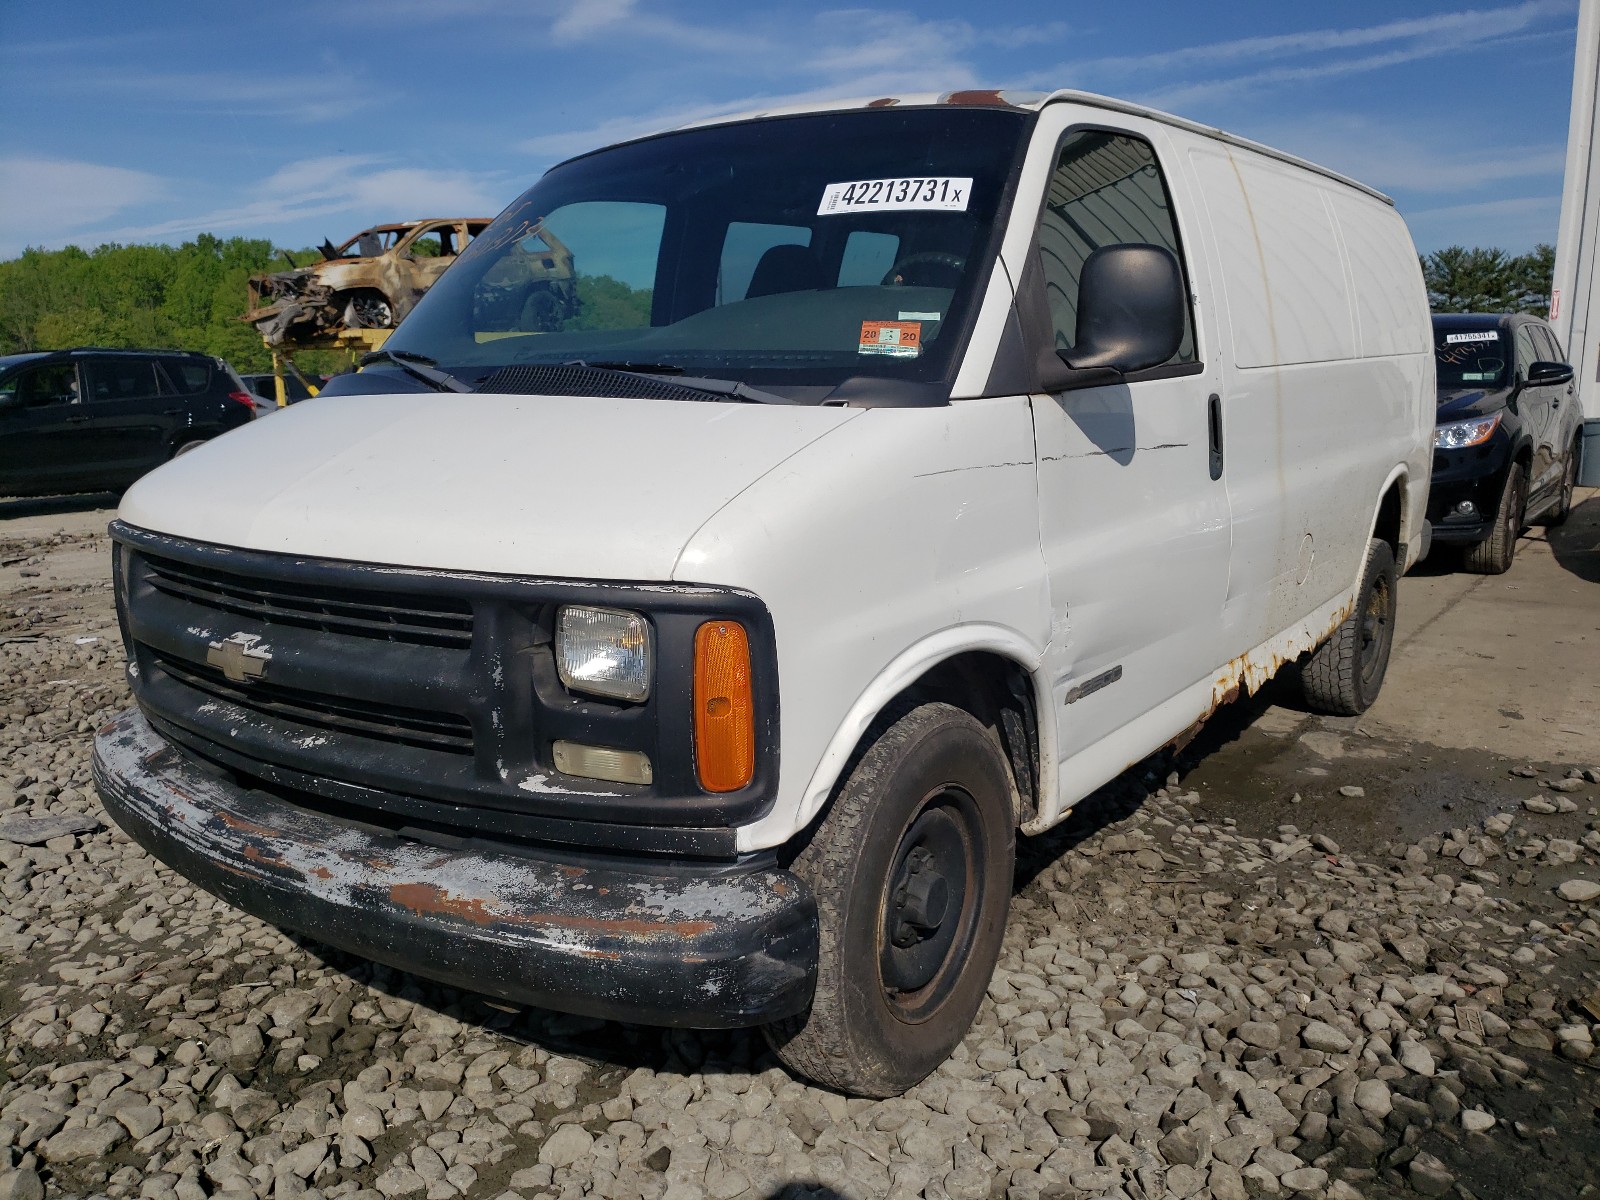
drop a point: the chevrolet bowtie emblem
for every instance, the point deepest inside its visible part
(239, 658)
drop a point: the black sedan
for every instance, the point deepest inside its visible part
(1508, 435)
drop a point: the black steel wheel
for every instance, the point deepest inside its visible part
(912, 871)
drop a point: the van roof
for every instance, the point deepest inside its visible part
(1034, 102)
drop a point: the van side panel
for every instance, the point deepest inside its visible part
(1315, 415)
(1281, 268)
(1388, 319)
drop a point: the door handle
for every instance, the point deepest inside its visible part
(76, 420)
(171, 412)
(1214, 433)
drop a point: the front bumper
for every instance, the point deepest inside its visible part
(708, 947)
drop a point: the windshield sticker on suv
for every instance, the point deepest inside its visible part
(941, 193)
(1487, 335)
(901, 339)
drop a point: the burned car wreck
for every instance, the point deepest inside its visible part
(373, 280)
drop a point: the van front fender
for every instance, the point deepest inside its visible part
(901, 673)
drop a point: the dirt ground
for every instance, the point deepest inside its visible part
(1305, 956)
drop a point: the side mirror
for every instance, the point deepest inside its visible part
(1130, 315)
(1545, 374)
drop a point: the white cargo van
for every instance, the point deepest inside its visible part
(686, 640)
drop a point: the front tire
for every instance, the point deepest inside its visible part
(1493, 555)
(912, 871)
(1346, 672)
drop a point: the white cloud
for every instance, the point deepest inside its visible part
(1472, 25)
(840, 53)
(365, 188)
(1515, 223)
(1422, 158)
(44, 200)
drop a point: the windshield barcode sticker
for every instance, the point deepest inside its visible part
(1487, 335)
(941, 193)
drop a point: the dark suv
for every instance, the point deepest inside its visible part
(1507, 441)
(91, 419)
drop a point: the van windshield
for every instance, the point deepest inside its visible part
(1468, 358)
(792, 252)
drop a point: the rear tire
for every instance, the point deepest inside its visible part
(1493, 555)
(1345, 673)
(912, 872)
(1569, 481)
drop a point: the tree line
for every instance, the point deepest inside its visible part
(190, 297)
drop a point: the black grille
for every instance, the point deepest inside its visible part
(572, 380)
(383, 722)
(419, 620)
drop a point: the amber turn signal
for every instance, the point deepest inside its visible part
(724, 712)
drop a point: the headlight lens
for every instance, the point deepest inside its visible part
(1458, 435)
(604, 651)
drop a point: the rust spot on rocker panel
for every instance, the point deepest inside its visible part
(1249, 673)
(427, 899)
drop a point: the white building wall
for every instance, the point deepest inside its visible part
(1575, 300)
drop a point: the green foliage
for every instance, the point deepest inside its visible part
(185, 297)
(607, 303)
(1461, 280)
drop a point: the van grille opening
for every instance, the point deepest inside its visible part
(414, 619)
(429, 730)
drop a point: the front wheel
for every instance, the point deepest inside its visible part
(368, 310)
(912, 873)
(1346, 672)
(1493, 555)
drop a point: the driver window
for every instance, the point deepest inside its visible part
(1107, 190)
(42, 386)
(1526, 355)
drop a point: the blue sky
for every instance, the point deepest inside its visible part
(304, 119)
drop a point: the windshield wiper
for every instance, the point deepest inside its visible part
(731, 388)
(419, 366)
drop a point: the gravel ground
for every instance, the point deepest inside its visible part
(1187, 1004)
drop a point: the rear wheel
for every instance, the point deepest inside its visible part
(1569, 482)
(1346, 672)
(1493, 555)
(912, 872)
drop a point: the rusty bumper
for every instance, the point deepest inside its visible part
(673, 944)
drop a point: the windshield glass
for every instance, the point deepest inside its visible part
(794, 251)
(1471, 357)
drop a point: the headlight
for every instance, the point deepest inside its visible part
(1458, 435)
(604, 651)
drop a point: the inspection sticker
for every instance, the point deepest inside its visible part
(1487, 335)
(943, 193)
(901, 339)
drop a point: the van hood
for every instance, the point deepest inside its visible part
(556, 486)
